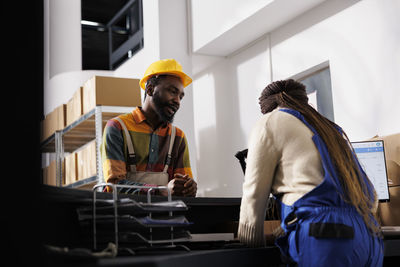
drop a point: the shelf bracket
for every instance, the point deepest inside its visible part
(59, 157)
(99, 140)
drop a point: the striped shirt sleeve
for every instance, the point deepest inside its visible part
(112, 152)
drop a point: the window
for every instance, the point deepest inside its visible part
(112, 32)
(319, 89)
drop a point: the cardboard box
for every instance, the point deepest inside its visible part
(71, 170)
(392, 155)
(269, 230)
(389, 212)
(86, 161)
(75, 107)
(54, 121)
(49, 174)
(110, 91)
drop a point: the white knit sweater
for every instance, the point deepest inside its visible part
(282, 159)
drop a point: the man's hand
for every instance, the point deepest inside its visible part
(189, 188)
(181, 185)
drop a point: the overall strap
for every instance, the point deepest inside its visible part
(300, 117)
(131, 151)
(330, 176)
(171, 144)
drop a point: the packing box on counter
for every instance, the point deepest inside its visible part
(392, 155)
(110, 91)
(54, 121)
(75, 107)
(86, 161)
(269, 229)
(389, 212)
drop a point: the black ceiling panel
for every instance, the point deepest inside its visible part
(96, 51)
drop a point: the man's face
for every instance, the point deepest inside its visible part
(167, 96)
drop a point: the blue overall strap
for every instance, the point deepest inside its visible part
(323, 150)
(327, 162)
(300, 117)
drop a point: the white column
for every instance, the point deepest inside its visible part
(173, 29)
(65, 36)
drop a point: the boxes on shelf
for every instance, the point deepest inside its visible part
(75, 107)
(54, 121)
(71, 170)
(86, 161)
(110, 91)
(49, 174)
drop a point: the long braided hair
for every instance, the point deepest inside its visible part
(357, 191)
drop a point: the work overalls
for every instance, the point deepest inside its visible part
(156, 178)
(323, 230)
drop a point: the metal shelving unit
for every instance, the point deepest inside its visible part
(87, 128)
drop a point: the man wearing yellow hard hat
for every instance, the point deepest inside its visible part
(155, 152)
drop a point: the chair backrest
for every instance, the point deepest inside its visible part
(241, 156)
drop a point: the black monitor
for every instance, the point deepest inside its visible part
(371, 155)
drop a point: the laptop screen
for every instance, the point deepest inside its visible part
(371, 155)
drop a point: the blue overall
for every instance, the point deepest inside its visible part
(323, 230)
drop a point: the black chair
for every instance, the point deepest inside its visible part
(242, 156)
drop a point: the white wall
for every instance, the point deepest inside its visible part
(225, 108)
(64, 36)
(211, 18)
(224, 26)
(360, 41)
(361, 45)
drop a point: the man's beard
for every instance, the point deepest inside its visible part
(160, 109)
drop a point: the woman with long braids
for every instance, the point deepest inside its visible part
(327, 203)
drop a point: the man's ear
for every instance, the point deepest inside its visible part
(149, 89)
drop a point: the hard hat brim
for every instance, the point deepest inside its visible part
(186, 80)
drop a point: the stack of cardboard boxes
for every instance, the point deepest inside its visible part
(54, 121)
(99, 90)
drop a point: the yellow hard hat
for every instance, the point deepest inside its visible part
(165, 66)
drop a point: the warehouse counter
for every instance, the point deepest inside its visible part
(211, 217)
(59, 227)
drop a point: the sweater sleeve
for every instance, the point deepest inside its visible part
(261, 162)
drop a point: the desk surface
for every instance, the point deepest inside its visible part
(268, 256)
(59, 207)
